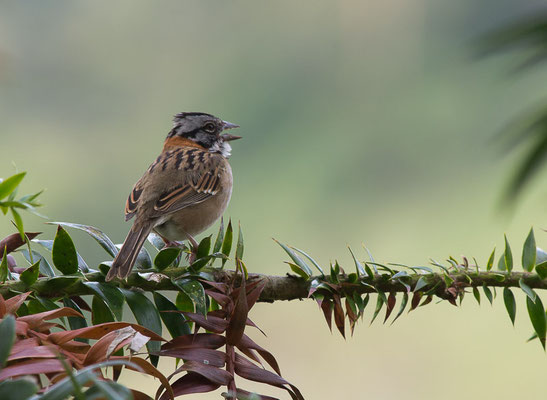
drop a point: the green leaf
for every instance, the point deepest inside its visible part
(166, 257)
(100, 312)
(309, 258)
(30, 275)
(61, 282)
(18, 222)
(146, 315)
(541, 256)
(204, 247)
(195, 291)
(239, 246)
(75, 322)
(7, 333)
(379, 303)
(477, 294)
(9, 185)
(402, 308)
(501, 263)
(4, 266)
(45, 268)
(508, 255)
(143, 260)
(297, 260)
(297, 270)
(537, 317)
(529, 252)
(175, 322)
(541, 270)
(20, 389)
(488, 293)
(227, 242)
(490, 262)
(110, 294)
(95, 233)
(63, 253)
(529, 292)
(510, 304)
(183, 302)
(358, 266)
(220, 237)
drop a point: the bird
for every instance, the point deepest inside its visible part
(184, 191)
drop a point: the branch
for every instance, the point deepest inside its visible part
(288, 287)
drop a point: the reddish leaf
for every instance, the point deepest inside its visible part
(2, 306)
(35, 320)
(81, 303)
(254, 293)
(220, 298)
(31, 367)
(213, 374)
(211, 323)
(246, 394)
(140, 395)
(247, 342)
(32, 352)
(98, 331)
(191, 383)
(326, 306)
(391, 300)
(14, 241)
(221, 287)
(23, 344)
(427, 301)
(339, 315)
(13, 303)
(416, 297)
(238, 319)
(100, 349)
(199, 341)
(21, 328)
(211, 357)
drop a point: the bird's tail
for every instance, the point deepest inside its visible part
(124, 261)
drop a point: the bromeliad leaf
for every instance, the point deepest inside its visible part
(529, 252)
(63, 252)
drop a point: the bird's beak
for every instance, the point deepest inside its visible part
(227, 137)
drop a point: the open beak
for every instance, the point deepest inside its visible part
(227, 137)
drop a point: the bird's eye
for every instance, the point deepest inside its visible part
(210, 127)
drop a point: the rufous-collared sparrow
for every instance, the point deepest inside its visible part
(184, 191)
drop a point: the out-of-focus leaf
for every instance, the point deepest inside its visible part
(63, 252)
(297, 270)
(156, 241)
(18, 222)
(537, 317)
(477, 294)
(7, 333)
(166, 257)
(8, 185)
(96, 234)
(239, 246)
(541, 270)
(526, 289)
(508, 256)
(402, 307)
(379, 303)
(310, 258)
(358, 266)
(45, 268)
(14, 241)
(490, 262)
(391, 300)
(19, 389)
(30, 275)
(110, 294)
(227, 242)
(4, 266)
(510, 304)
(236, 325)
(175, 322)
(541, 256)
(146, 315)
(195, 291)
(488, 294)
(529, 252)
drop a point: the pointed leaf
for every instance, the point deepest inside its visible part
(195, 291)
(537, 317)
(75, 322)
(526, 289)
(508, 255)
(316, 265)
(227, 242)
(510, 304)
(220, 237)
(7, 333)
(297, 260)
(110, 294)
(4, 267)
(45, 268)
(175, 322)
(63, 253)
(391, 300)
(166, 257)
(95, 233)
(488, 293)
(379, 303)
(18, 222)
(100, 313)
(204, 247)
(239, 246)
(8, 186)
(146, 315)
(402, 307)
(529, 252)
(477, 294)
(490, 262)
(358, 266)
(30, 275)
(541, 270)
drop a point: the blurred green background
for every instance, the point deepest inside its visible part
(362, 121)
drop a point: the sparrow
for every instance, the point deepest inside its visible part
(184, 191)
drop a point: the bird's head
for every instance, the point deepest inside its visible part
(204, 129)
